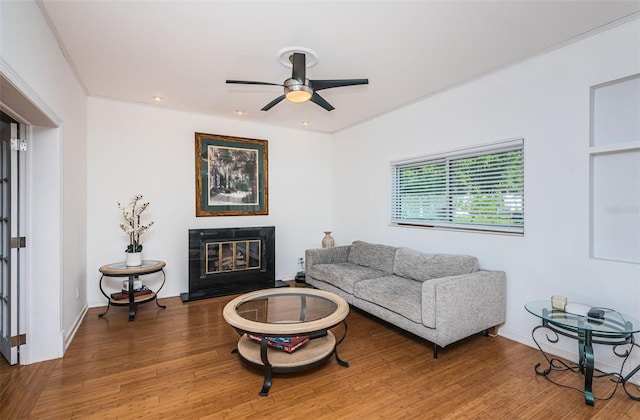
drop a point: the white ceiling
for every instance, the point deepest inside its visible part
(183, 51)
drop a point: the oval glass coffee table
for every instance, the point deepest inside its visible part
(276, 314)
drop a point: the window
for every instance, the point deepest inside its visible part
(479, 188)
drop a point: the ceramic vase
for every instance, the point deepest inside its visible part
(134, 259)
(327, 241)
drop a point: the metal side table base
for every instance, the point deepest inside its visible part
(615, 330)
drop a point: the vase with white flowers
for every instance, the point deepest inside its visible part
(134, 228)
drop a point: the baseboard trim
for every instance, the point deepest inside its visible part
(67, 337)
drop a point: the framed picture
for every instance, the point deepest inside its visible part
(231, 176)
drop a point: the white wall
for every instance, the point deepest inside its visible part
(546, 101)
(56, 213)
(150, 150)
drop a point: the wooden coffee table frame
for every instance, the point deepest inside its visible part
(322, 346)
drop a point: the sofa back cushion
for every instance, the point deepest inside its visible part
(423, 266)
(375, 256)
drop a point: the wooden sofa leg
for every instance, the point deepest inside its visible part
(435, 351)
(491, 332)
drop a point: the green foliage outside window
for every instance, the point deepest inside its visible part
(477, 190)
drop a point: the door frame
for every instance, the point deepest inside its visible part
(43, 262)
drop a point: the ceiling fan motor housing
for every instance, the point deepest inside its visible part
(296, 91)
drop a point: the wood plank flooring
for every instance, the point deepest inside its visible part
(177, 363)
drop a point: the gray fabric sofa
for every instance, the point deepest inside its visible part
(439, 297)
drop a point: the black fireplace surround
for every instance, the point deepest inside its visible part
(229, 261)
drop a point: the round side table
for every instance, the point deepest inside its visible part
(130, 299)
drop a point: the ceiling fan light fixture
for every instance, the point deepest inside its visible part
(298, 93)
(298, 88)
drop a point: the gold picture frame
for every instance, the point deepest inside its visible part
(231, 176)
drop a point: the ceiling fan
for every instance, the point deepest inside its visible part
(300, 89)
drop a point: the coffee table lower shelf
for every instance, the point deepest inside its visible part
(315, 353)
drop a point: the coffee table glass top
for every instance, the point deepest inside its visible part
(614, 322)
(286, 311)
(286, 308)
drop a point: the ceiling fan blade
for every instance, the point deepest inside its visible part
(249, 82)
(272, 103)
(299, 67)
(328, 84)
(319, 100)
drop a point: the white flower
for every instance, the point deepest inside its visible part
(133, 227)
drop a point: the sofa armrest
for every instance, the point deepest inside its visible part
(333, 255)
(459, 306)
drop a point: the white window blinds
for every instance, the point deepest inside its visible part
(480, 188)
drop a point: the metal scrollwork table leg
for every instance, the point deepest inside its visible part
(586, 360)
(584, 365)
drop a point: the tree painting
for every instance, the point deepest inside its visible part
(233, 175)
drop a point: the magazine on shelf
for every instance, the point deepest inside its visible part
(288, 344)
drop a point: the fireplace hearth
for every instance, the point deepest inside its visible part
(229, 261)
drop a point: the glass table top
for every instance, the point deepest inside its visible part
(121, 269)
(613, 322)
(122, 265)
(289, 308)
(286, 311)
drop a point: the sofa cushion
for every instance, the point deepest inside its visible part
(398, 294)
(343, 275)
(375, 256)
(423, 266)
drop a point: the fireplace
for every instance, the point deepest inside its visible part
(229, 261)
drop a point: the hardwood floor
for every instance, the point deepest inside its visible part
(177, 363)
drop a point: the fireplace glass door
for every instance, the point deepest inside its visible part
(232, 256)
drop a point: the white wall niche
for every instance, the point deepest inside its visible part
(614, 167)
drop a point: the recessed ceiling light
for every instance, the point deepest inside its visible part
(239, 112)
(157, 98)
(305, 122)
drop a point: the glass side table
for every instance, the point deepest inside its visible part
(615, 329)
